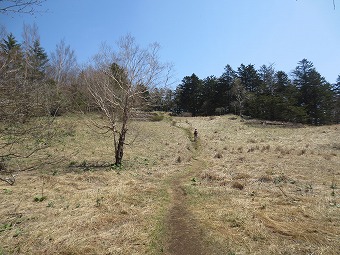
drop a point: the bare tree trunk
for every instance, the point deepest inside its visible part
(124, 129)
(120, 146)
(119, 83)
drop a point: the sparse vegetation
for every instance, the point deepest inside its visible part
(245, 202)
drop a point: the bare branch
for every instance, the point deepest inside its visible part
(20, 6)
(9, 180)
(120, 81)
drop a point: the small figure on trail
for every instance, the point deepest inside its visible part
(195, 135)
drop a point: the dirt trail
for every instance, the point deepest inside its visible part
(184, 234)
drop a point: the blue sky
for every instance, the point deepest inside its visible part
(198, 36)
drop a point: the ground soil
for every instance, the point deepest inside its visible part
(184, 234)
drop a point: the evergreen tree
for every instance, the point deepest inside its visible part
(210, 96)
(249, 78)
(189, 95)
(336, 110)
(39, 61)
(10, 44)
(11, 56)
(225, 83)
(315, 93)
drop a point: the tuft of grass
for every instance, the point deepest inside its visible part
(237, 185)
(240, 176)
(157, 117)
(211, 176)
(265, 178)
(39, 198)
(265, 148)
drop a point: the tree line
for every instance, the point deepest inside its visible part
(54, 83)
(304, 96)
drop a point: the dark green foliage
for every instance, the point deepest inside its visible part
(265, 94)
(9, 44)
(315, 93)
(189, 95)
(38, 61)
(336, 100)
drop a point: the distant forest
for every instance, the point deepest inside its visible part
(34, 83)
(304, 96)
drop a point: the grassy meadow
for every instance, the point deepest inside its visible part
(253, 189)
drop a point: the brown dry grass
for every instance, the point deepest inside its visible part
(93, 211)
(286, 206)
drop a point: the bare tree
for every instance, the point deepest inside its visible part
(26, 131)
(119, 82)
(20, 6)
(63, 71)
(63, 63)
(29, 35)
(239, 92)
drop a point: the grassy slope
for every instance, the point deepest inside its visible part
(286, 206)
(92, 212)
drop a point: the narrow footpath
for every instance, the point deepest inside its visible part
(184, 234)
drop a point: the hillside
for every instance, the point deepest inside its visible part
(242, 188)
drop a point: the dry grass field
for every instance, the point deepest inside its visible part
(249, 189)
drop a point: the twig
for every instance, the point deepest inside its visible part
(9, 180)
(282, 191)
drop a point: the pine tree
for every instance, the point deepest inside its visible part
(189, 95)
(39, 60)
(315, 93)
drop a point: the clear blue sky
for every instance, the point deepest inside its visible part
(198, 36)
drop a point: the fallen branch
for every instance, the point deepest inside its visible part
(9, 180)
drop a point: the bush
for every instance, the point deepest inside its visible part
(157, 117)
